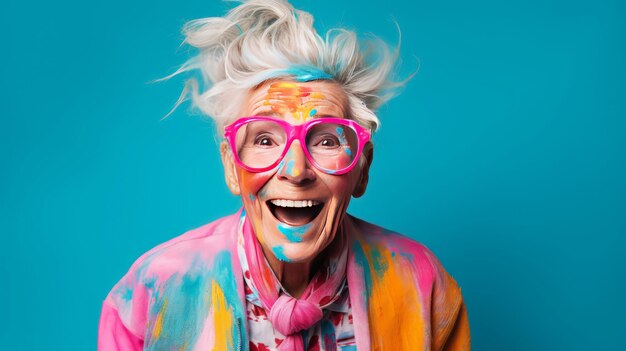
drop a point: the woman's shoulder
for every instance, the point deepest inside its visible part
(196, 250)
(171, 270)
(372, 234)
(376, 243)
(398, 271)
(206, 240)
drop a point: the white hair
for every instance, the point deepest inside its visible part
(268, 39)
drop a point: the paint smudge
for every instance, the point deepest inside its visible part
(293, 233)
(222, 319)
(279, 252)
(252, 198)
(193, 295)
(158, 323)
(306, 73)
(281, 165)
(388, 297)
(288, 97)
(126, 293)
(290, 171)
(286, 165)
(262, 193)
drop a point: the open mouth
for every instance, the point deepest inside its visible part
(295, 212)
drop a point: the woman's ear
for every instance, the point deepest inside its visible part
(368, 155)
(230, 172)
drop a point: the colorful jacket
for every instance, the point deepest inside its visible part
(188, 294)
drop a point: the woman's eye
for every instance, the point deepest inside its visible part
(264, 140)
(328, 142)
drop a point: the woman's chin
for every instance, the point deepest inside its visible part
(302, 252)
(298, 244)
(296, 235)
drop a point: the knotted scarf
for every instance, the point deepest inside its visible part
(290, 315)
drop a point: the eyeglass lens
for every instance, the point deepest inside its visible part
(260, 144)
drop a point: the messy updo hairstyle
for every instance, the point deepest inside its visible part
(269, 39)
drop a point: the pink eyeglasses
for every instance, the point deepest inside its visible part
(333, 145)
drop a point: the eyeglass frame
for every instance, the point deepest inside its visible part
(297, 132)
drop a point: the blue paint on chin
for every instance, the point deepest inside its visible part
(293, 233)
(279, 252)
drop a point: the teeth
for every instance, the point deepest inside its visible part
(295, 203)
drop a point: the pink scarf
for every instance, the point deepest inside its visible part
(287, 314)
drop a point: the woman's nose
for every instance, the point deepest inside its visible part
(295, 167)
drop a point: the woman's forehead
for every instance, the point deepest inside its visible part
(300, 100)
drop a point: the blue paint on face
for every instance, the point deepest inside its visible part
(286, 165)
(281, 165)
(252, 198)
(312, 113)
(289, 170)
(279, 252)
(293, 233)
(262, 193)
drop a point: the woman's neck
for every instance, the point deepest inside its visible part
(295, 276)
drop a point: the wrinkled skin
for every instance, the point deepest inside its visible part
(293, 261)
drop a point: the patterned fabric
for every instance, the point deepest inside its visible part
(335, 328)
(189, 294)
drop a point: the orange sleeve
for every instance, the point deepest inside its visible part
(450, 324)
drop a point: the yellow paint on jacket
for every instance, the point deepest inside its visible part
(395, 312)
(158, 323)
(222, 319)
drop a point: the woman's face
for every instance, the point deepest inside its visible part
(273, 199)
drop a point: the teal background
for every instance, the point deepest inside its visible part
(505, 155)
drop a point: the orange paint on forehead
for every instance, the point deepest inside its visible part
(287, 97)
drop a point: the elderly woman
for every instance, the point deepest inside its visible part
(291, 270)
